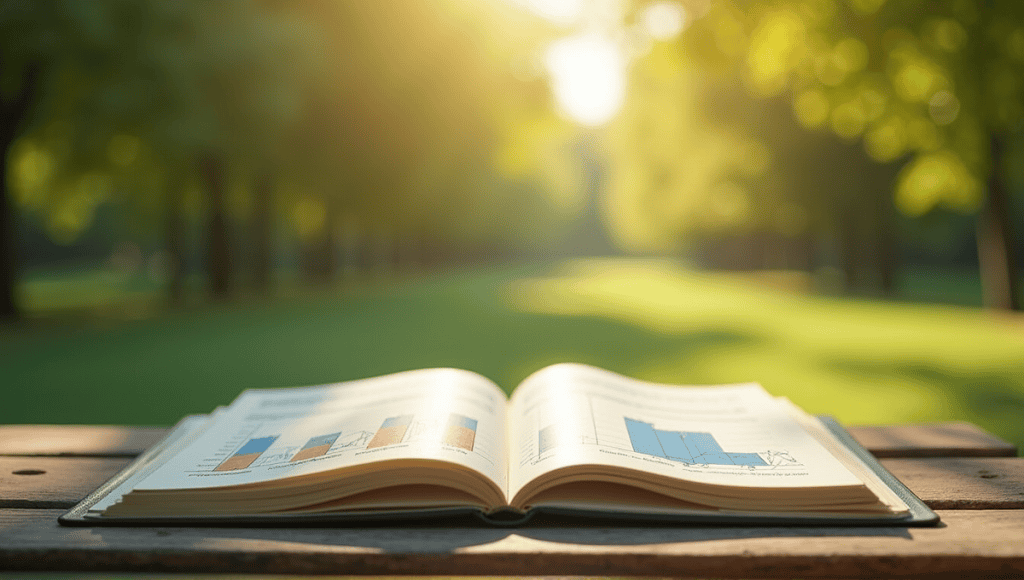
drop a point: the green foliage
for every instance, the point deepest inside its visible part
(434, 121)
(131, 91)
(918, 78)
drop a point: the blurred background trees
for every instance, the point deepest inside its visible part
(239, 145)
(119, 103)
(930, 88)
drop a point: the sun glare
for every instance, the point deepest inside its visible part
(562, 12)
(588, 74)
(664, 20)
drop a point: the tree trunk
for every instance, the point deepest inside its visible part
(887, 245)
(262, 263)
(175, 244)
(324, 250)
(591, 236)
(318, 262)
(850, 218)
(349, 264)
(218, 246)
(995, 240)
(13, 114)
(8, 246)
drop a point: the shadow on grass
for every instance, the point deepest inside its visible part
(155, 371)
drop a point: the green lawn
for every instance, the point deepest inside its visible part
(863, 361)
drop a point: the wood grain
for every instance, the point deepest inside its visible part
(950, 439)
(53, 482)
(77, 440)
(978, 539)
(984, 543)
(963, 483)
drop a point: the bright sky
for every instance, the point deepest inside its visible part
(664, 20)
(588, 69)
(588, 74)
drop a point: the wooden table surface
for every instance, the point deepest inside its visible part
(974, 481)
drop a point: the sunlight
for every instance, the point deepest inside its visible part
(733, 327)
(664, 20)
(588, 74)
(563, 12)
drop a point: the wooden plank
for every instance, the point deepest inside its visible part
(52, 482)
(971, 543)
(950, 439)
(963, 483)
(77, 440)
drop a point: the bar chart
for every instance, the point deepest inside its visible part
(247, 453)
(690, 447)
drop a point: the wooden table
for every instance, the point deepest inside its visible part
(974, 481)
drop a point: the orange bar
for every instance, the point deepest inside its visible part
(238, 462)
(310, 452)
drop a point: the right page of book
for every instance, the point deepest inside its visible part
(736, 435)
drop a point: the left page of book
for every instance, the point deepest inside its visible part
(181, 436)
(268, 435)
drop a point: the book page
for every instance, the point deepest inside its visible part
(183, 434)
(735, 435)
(264, 435)
(885, 493)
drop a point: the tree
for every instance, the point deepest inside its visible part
(66, 78)
(400, 130)
(192, 88)
(13, 111)
(251, 68)
(933, 84)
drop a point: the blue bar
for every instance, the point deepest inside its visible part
(643, 438)
(462, 421)
(695, 447)
(715, 459)
(701, 444)
(673, 444)
(258, 445)
(547, 439)
(319, 440)
(750, 459)
(396, 421)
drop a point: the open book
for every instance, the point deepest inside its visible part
(572, 440)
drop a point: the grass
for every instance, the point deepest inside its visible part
(861, 360)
